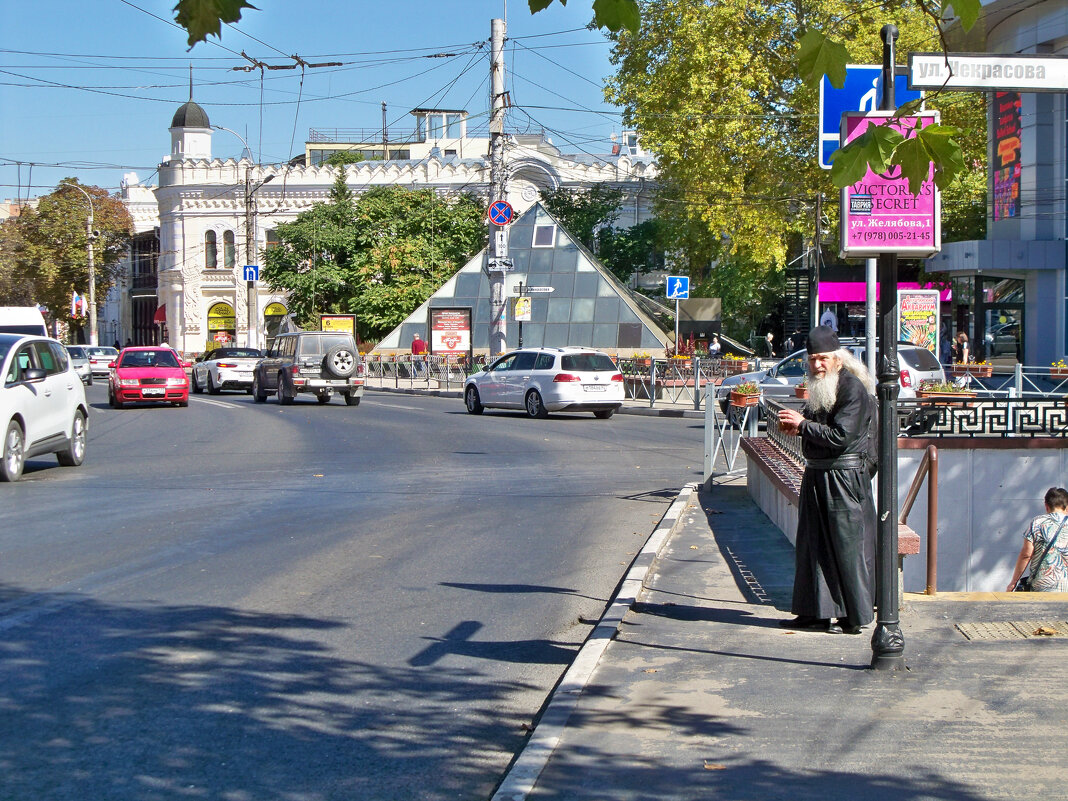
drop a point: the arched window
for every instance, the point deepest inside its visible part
(228, 250)
(211, 251)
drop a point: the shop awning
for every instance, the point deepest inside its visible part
(854, 291)
(160, 317)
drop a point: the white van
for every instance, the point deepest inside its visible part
(26, 320)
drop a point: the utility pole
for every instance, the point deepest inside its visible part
(90, 235)
(498, 246)
(814, 267)
(887, 642)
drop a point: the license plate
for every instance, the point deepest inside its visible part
(245, 376)
(154, 391)
(594, 387)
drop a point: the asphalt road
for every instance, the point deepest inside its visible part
(241, 601)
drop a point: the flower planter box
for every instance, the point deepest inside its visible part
(742, 399)
(731, 367)
(643, 362)
(976, 370)
(801, 392)
(945, 398)
(681, 364)
(1058, 373)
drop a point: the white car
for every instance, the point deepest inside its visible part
(100, 357)
(80, 359)
(225, 368)
(543, 380)
(42, 404)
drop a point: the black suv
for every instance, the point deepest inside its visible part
(320, 362)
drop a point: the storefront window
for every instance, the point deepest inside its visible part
(222, 325)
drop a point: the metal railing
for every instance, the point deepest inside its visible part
(928, 469)
(1025, 381)
(675, 381)
(983, 417)
(421, 372)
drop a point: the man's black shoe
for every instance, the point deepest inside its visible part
(805, 622)
(842, 626)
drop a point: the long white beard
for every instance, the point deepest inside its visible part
(822, 392)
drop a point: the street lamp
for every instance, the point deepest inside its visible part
(250, 239)
(89, 237)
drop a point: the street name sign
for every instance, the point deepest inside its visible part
(987, 72)
(535, 289)
(879, 213)
(862, 90)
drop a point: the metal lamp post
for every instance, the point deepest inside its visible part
(250, 241)
(89, 237)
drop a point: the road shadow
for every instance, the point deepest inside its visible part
(161, 702)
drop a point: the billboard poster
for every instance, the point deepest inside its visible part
(342, 323)
(879, 213)
(521, 311)
(917, 317)
(450, 331)
(1006, 155)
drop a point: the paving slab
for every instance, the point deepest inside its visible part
(701, 695)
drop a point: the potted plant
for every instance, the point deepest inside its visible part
(801, 390)
(745, 394)
(1059, 369)
(943, 391)
(642, 359)
(978, 369)
(732, 365)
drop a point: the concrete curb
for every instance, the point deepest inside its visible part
(644, 411)
(526, 769)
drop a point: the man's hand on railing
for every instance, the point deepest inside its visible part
(789, 420)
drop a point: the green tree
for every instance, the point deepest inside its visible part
(44, 254)
(631, 250)
(582, 211)
(379, 255)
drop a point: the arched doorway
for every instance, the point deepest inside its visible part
(273, 317)
(222, 325)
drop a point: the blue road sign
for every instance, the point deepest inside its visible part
(252, 272)
(500, 212)
(862, 91)
(678, 287)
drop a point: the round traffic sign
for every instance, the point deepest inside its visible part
(500, 212)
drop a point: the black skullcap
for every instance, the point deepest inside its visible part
(822, 339)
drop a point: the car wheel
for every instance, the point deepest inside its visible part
(284, 397)
(352, 399)
(604, 414)
(735, 416)
(535, 407)
(323, 398)
(89, 383)
(257, 390)
(195, 383)
(182, 403)
(340, 361)
(74, 454)
(14, 457)
(472, 401)
(212, 389)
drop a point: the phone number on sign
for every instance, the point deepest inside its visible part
(892, 236)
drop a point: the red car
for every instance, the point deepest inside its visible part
(147, 374)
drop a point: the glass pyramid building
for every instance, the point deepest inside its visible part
(588, 305)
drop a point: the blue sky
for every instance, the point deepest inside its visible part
(88, 89)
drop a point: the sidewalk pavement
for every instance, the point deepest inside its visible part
(700, 695)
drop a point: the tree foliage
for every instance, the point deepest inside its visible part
(379, 255)
(627, 251)
(44, 254)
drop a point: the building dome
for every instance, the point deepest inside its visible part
(190, 115)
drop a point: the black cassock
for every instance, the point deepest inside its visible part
(835, 549)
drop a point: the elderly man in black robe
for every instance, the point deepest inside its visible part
(835, 546)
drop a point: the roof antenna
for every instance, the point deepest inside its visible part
(190, 83)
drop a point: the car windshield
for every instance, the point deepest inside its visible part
(587, 362)
(236, 353)
(76, 352)
(919, 359)
(149, 358)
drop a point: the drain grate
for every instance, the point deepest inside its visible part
(1014, 630)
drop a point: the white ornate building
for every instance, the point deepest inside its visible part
(199, 211)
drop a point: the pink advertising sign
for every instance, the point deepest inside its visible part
(879, 213)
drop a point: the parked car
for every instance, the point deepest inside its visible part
(320, 363)
(915, 364)
(543, 380)
(147, 374)
(100, 356)
(80, 361)
(42, 404)
(224, 368)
